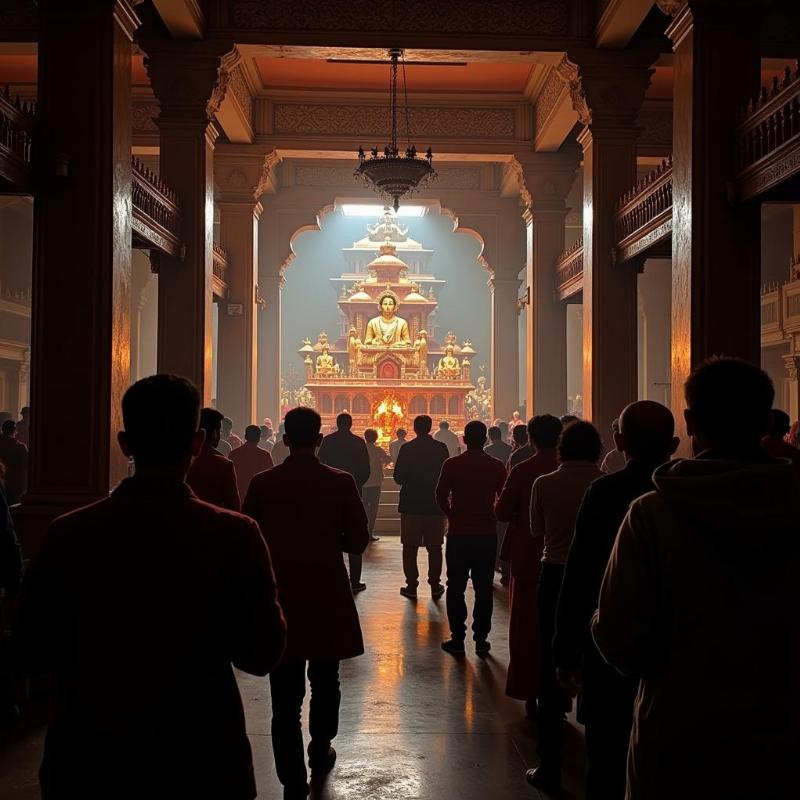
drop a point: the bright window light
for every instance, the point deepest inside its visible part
(374, 209)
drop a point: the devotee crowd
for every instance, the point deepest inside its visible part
(659, 594)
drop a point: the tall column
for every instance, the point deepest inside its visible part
(548, 178)
(715, 245)
(80, 315)
(189, 79)
(269, 331)
(505, 345)
(607, 91)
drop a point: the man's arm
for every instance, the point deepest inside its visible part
(505, 509)
(355, 527)
(230, 488)
(536, 509)
(400, 467)
(362, 466)
(443, 489)
(625, 625)
(256, 628)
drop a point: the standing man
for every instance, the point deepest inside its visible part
(394, 446)
(524, 553)
(139, 604)
(775, 441)
(699, 604)
(279, 450)
(310, 515)
(466, 492)
(417, 470)
(498, 447)
(212, 475)
(371, 492)
(523, 449)
(645, 436)
(228, 435)
(445, 435)
(14, 458)
(249, 459)
(344, 450)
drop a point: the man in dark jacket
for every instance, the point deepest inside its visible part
(416, 470)
(309, 514)
(645, 435)
(140, 603)
(344, 450)
(699, 603)
(212, 475)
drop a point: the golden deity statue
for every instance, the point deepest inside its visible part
(421, 350)
(387, 330)
(325, 365)
(353, 348)
(449, 366)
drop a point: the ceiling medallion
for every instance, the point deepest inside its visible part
(391, 174)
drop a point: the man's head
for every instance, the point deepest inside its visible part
(211, 422)
(266, 432)
(401, 433)
(580, 442)
(160, 416)
(422, 425)
(227, 426)
(9, 427)
(544, 430)
(388, 304)
(343, 422)
(444, 426)
(370, 436)
(302, 429)
(495, 433)
(728, 406)
(645, 431)
(475, 435)
(25, 412)
(567, 419)
(520, 435)
(779, 423)
(252, 434)
(503, 430)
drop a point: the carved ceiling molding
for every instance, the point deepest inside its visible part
(471, 232)
(359, 121)
(315, 226)
(240, 90)
(547, 101)
(670, 7)
(515, 168)
(548, 18)
(241, 175)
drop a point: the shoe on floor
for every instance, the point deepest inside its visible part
(437, 591)
(454, 646)
(321, 764)
(408, 591)
(296, 792)
(358, 587)
(483, 647)
(546, 779)
(374, 538)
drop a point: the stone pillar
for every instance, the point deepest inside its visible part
(715, 245)
(23, 378)
(80, 315)
(269, 331)
(189, 79)
(505, 345)
(548, 178)
(607, 91)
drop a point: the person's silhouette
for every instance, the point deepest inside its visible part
(249, 459)
(139, 604)
(310, 514)
(212, 475)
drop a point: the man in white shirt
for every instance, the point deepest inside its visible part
(445, 435)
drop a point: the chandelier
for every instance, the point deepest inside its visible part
(393, 174)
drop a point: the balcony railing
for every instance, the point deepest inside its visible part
(768, 147)
(643, 220)
(220, 271)
(17, 119)
(569, 271)
(156, 217)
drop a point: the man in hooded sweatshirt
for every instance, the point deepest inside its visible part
(700, 603)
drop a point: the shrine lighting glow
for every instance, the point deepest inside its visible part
(375, 209)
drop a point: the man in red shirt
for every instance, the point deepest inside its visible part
(468, 487)
(212, 475)
(249, 459)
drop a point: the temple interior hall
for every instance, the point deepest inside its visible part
(467, 210)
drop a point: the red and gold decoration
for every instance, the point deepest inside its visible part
(388, 415)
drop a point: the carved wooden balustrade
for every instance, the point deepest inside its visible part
(17, 121)
(156, 217)
(768, 147)
(220, 271)
(643, 220)
(569, 271)
(780, 309)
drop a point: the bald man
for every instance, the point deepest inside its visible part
(646, 437)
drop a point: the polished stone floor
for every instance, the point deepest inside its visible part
(416, 723)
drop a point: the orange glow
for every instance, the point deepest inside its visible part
(388, 415)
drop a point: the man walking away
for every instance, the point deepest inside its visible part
(498, 448)
(447, 437)
(700, 600)
(645, 436)
(371, 493)
(416, 470)
(310, 515)
(212, 475)
(249, 459)
(344, 450)
(396, 444)
(466, 492)
(523, 450)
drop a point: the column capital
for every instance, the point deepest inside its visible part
(242, 173)
(545, 179)
(731, 14)
(607, 87)
(189, 77)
